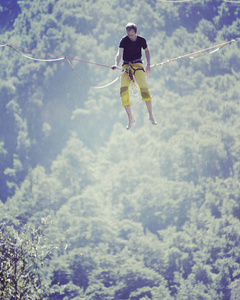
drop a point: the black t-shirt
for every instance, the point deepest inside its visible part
(132, 50)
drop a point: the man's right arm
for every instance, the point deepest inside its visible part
(118, 58)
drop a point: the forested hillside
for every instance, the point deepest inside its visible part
(150, 213)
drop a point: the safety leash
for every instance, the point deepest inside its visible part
(92, 87)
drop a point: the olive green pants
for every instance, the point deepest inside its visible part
(141, 80)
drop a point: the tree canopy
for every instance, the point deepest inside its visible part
(150, 213)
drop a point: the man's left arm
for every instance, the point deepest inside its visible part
(147, 54)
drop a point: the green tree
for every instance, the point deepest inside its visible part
(22, 254)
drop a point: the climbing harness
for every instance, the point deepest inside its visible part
(130, 70)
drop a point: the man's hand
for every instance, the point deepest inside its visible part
(147, 69)
(114, 67)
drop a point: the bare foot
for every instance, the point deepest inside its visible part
(151, 118)
(130, 123)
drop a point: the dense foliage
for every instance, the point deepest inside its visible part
(23, 254)
(151, 213)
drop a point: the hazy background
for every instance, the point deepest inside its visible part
(155, 210)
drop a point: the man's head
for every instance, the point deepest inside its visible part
(131, 26)
(131, 29)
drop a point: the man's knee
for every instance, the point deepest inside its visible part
(124, 91)
(124, 94)
(146, 96)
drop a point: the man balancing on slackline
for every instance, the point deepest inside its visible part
(130, 48)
